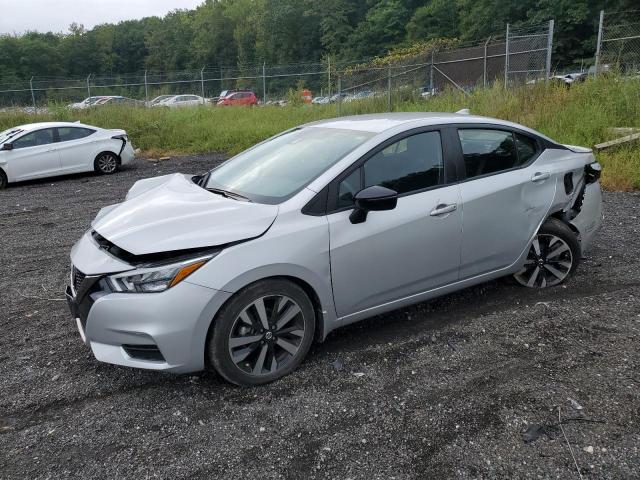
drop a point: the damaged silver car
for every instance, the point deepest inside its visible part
(242, 268)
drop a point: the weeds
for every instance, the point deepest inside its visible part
(580, 115)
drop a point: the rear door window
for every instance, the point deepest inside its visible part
(67, 134)
(487, 151)
(527, 147)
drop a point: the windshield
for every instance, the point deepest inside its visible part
(9, 134)
(277, 169)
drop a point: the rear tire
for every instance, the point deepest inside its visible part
(106, 163)
(553, 257)
(3, 180)
(262, 333)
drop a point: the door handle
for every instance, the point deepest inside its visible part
(540, 176)
(443, 209)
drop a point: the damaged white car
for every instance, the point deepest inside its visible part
(47, 149)
(242, 268)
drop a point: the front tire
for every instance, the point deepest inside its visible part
(3, 180)
(553, 257)
(262, 334)
(106, 163)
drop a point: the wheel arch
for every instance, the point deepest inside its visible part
(325, 322)
(103, 151)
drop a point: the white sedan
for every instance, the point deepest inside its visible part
(181, 101)
(48, 149)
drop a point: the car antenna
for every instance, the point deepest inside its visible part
(464, 111)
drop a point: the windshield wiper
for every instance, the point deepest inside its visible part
(228, 194)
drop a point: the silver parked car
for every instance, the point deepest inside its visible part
(323, 225)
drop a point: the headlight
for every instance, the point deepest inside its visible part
(156, 279)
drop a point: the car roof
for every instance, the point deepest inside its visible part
(380, 122)
(36, 126)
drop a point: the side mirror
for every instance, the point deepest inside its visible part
(373, 199)
(7, 146)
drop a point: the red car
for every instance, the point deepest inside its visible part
(239, 98)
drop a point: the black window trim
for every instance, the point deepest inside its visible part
(541, 143)
(450, 169)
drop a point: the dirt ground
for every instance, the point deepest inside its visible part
(444, 389)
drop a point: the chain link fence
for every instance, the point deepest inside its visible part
(619, 42)
(518, 56)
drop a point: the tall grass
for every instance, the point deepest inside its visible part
(581, 115)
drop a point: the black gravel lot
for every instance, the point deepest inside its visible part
(444, 389)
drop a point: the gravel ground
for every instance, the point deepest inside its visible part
(444, 389)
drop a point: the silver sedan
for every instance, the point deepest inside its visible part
(242, 268)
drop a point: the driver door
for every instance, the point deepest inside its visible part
(33, 155)
(401, 252)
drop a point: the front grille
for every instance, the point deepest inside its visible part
(77, 278)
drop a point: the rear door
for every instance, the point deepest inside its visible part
(33, 155)
(505, 196)
(75, 147)
(401, 252)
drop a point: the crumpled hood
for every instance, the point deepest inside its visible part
(172, 213)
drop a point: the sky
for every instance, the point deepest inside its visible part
(19, 16)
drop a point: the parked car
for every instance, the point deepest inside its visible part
(48, 149)
(179, 101)
(86, 103)
(336, 97)
(117, 100)
(159, 99)
(242, 268)
(320, 100)
(246, 97)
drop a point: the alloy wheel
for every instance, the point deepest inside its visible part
(266, 335)
(107, 163)
(548, 263)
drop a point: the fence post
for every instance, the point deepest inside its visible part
(599, 46)
(389, 89)
(431, 86)
(329, 73)
(33, 97)
(339, 94)
(202, 83)
(89, 85)
(484, 63)
(549, 49)
(146, 89)
(264, 83)
(506, 60)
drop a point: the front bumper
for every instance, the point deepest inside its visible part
(120, 327)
